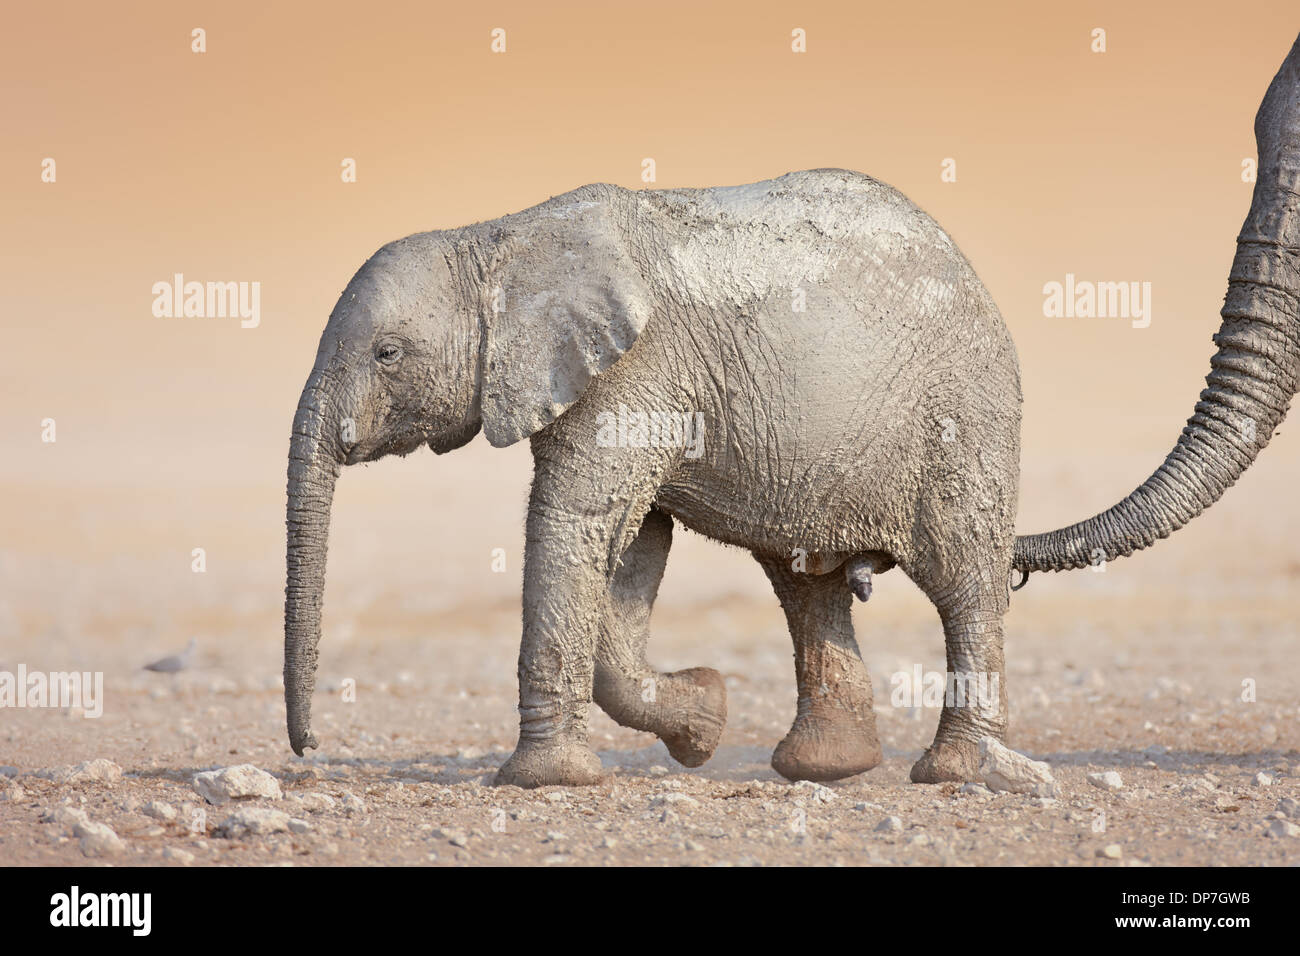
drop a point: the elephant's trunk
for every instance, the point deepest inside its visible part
(1253, 375)
(314, 455)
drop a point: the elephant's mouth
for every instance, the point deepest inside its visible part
(399, 443)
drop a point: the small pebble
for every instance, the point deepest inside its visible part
(1283, 828)
(98, 839)
(1109, 781)
(160, 811)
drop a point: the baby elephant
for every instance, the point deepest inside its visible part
(805, 367)
(770, 365)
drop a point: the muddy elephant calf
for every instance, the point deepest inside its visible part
(773, 365)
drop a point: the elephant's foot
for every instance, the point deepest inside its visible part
(555, 761)
(956, 760)
(695, 716)
(686, 709)
(828, 743)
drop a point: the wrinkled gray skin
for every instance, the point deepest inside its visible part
(877, 426)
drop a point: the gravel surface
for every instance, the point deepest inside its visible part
(1172, 769)
(1129, 684)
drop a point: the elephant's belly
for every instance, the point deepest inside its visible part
(827, 514)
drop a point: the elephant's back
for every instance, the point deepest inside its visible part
(836, 204)
(841, 237)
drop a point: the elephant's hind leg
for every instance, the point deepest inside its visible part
(976, 696)
(685, 709)
(834, 731)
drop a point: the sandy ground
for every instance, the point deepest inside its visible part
(1138, 670)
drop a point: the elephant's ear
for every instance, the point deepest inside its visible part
(567, 302)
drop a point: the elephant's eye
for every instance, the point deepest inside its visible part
(388, 353)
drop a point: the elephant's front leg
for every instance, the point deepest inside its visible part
(582, 514)
(834, 730)
(686, 709)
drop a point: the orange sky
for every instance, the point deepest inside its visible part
(225, 166)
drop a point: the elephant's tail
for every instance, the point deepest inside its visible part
(1253, 374)
(1079, 545)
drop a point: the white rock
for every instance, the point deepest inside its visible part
(453, 836)
(160, 811)
(1283, 828)
(975, 790)
(1003, 769)
(1167, 685)
(314, 802)
(1111, 851)
(236, 783)
(673, 800)
(1290, 807)
(818, 792)
(298, 826)
(177, 854)
(353, 804)
(889, 825)
(66, 816)
(98, 839)
(12, 793)
(254, 821)
(88, 771)
(1263, 779)
(1110, 781)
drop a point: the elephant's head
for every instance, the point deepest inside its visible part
(498, 326)
(1253, 374)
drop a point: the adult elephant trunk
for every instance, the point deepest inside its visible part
(1253, 375)
(314, 455)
